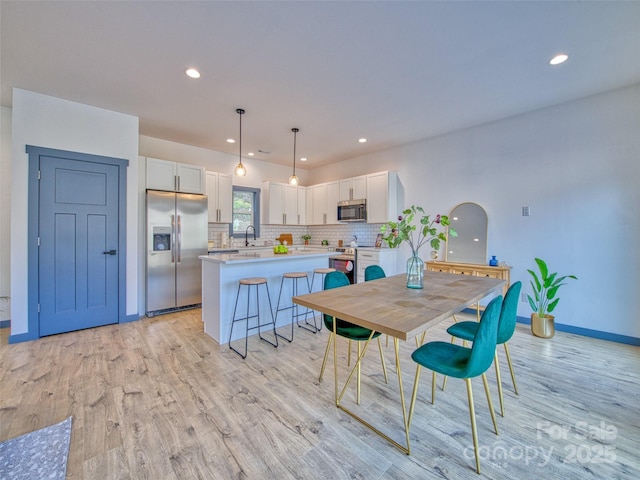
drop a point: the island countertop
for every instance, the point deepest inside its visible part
(266, 255)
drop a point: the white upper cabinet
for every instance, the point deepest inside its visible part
(325, 203)
(220, 197)
(280, 204)
(302, 205)
(353, 188)
(175, 177)
(333, 196)
(382, 197)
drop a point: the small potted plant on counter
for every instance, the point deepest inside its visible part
(545, 290)
(306, 237)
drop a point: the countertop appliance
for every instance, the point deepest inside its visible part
(352, 210)
(176, 236)
(345, 262)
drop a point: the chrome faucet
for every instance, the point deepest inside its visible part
(246, 235)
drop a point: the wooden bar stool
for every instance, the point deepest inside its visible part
(249, 282)
(322, 272)
(295, 314)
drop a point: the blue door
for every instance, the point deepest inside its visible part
(78, 253)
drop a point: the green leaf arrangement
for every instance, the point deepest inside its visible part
(545, 289)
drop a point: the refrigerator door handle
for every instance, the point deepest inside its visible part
(173, 238)
(179, 239)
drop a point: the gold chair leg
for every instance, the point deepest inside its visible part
(493, 413)
(326, 355)
(513, 373)
(499, 381)
(358, 377)
(349, 355)
(384, 364)
(433, 388)
(472, 415)
(416, 381)
(335, 359)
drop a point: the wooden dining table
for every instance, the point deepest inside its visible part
(386, 305)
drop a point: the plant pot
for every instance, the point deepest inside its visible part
(543, 327)
(306, 242)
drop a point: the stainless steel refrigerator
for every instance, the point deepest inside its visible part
(176, 236)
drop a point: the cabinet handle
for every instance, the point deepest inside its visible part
(298, 219)
(284, 218)
(324, 218)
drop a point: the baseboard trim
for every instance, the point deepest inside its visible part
(130, 318)
(585, 332)
(5, 323)
(23, 337)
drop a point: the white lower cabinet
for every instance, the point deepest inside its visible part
(384, 257)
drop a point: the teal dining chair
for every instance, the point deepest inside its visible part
(373, 272)
(462, 362)
(506, 327)
(348, 331)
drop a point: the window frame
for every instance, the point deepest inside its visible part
(256, 210)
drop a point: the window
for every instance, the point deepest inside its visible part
(246, 211)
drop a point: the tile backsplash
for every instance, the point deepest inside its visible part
(365, 232)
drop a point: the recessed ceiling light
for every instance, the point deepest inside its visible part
(192, 72)
(558, 59)
(250, 154)
(230, 140)
(303, 159)
(362, 140)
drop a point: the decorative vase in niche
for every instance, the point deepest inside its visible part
(493, 262)
(415, 272)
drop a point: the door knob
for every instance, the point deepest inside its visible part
(109, 252)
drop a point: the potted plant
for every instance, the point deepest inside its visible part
(306, 237)
(545, 287)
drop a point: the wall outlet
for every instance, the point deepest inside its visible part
(525, 211)
(523, 297)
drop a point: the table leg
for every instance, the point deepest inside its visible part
(405, 449)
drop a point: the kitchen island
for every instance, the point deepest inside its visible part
(221, 273)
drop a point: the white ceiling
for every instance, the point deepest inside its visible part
(394, 72)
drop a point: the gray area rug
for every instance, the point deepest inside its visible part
(37, 455)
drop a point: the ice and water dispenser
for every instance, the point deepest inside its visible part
(161, 239)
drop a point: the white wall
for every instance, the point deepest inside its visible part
(576, 165)
(50, 122)
(5, 210)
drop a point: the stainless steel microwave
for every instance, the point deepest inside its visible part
(352, 210)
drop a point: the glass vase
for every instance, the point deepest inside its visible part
(415, 272)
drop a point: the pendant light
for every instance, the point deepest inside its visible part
(240, 170)
(293, 180)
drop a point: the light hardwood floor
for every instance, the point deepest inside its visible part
(158, 398)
